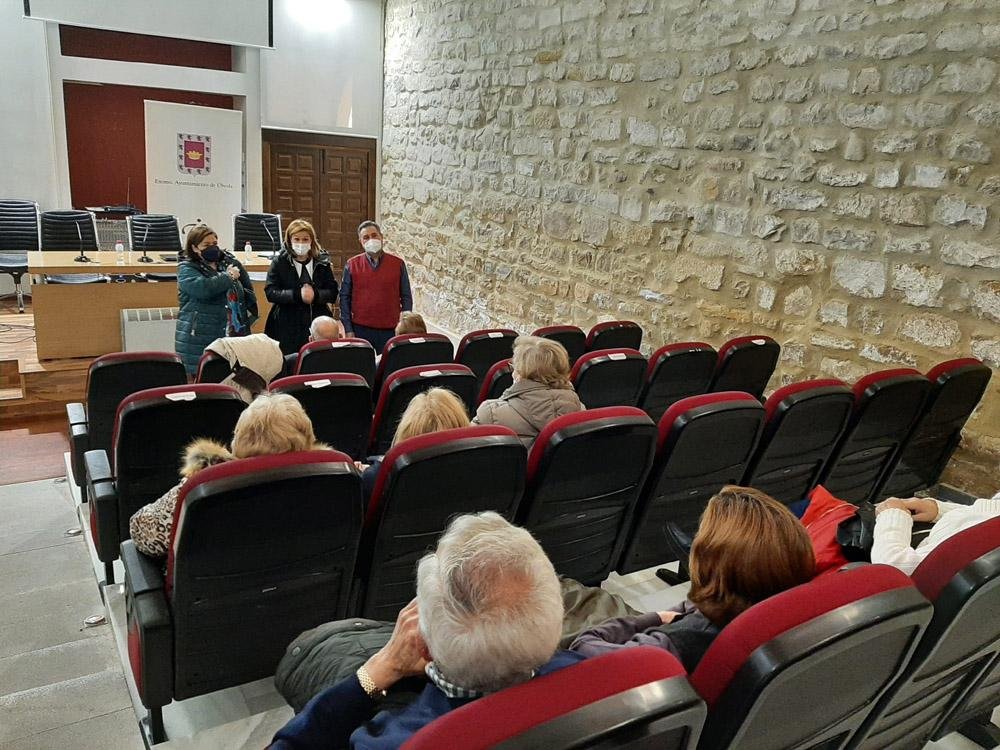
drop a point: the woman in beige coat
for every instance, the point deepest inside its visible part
(541, 390)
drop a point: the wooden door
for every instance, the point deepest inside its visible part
(327, 180)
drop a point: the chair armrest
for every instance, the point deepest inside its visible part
(143, 574)
(149, 628)
(76, 413)
(79, 440)
(103, 496)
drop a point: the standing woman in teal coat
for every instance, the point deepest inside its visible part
(215, 295)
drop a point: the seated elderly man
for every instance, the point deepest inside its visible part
(323, 328)
(488, 615)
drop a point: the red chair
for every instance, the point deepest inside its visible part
(636, 697)
(609, 377)
(481, 350)
(676, 371)
(212, 368)
(804, 422)
(571, 337)
(745, 364)
(411, 350)
(952, 677)
(704, 442)
(339, 406)
(585, 473)
(497, 380)
(802, 669)
(614, 334)
(341, 355)
(957, 386)
(422, 483)
(886, 406)
(111, 378)
(262, 549)
(152, 428)
(400, 388)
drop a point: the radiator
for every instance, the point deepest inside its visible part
(148, 329)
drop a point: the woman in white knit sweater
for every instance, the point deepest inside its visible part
(894, 526)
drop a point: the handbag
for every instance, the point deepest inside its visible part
(856, 535)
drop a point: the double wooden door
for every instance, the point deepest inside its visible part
(327, 180)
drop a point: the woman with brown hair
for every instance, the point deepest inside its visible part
(215, 296)
(300, 287)
(748, 547)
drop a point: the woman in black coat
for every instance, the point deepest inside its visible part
(300, 287)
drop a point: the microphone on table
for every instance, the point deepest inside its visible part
(145, 257)
(263, 223)
(82, 257)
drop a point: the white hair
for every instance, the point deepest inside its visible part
(490, 604)
(320, 321)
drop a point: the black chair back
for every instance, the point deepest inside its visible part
(609, 377)
(339, 406)
(676, 371)
(422, 484)
(480, 350)
(262, 231)
(410, 350)
(19, 226)
(573, 339)
(614, 334)
(704, 443)
(497, 380)
(342, 355)
(578, 510)
(157, 232)
(263, 549)
(69, 230)
(746, 364)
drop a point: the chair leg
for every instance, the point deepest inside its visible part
(20, 296)
(982, 731)
(109, 573)
(157, 733)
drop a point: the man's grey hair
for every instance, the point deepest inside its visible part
(490, 604)
(321, 322)
(365, 224)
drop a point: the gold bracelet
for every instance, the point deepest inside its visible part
(368, 684)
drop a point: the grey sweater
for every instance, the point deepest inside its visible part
(687, 637)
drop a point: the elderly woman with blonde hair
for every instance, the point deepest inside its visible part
(433, 410)
(274, 423)
(540, 393)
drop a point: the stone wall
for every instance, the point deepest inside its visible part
(824, 171)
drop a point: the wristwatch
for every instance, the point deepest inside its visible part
(368, 684)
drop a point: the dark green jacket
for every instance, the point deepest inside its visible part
(201, 292)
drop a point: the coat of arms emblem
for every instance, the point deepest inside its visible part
(194, 154)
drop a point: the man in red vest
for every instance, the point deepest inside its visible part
(375, 289)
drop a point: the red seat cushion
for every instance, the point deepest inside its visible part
(693, 402)
(952, 364)
(875, 377)
(781, 394)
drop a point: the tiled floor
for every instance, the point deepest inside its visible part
(61, 684)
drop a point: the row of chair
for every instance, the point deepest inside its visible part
(287, 540)
(592, 517)
(603, 376)
(23, 229)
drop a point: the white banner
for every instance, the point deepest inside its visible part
(194, 165)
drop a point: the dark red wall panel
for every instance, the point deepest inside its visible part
(76, 41)
(105, 134)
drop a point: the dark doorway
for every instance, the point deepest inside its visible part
(328, 180)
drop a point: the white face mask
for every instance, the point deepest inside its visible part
(372, 246)
(301, 248)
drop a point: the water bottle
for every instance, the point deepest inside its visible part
(119, 253)
(248, 252)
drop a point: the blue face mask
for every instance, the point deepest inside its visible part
(211, 254)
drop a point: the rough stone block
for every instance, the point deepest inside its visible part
(952, 210)
(974, 78)
(829, 341)
(642, 132)
(909, 79)
(968, 147)
(958, 37)
(886, 176)
(828, 174)
(970, 254)
(834, 311)
(931, 329)
(869, 116)
(927, 176)
(862, 278)
(798, 199)
(888, 354)
(986, 300)
(904, 210)
(921, 287)
(798, 301)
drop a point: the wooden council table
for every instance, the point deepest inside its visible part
(83, 320)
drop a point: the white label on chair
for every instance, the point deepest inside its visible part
(759, 342)
(336, 344)
(494, 335)
(317, 383)
(182, 396)
(616, 355)
(430, 373)
(419, 340)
